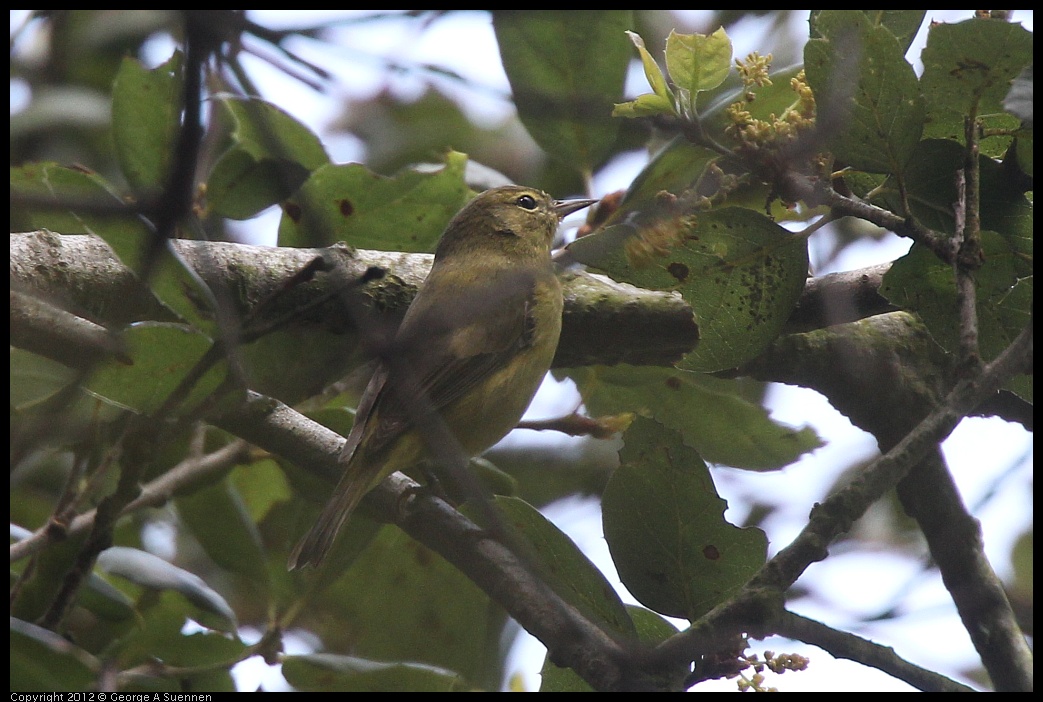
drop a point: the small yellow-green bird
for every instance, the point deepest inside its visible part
(473, 346)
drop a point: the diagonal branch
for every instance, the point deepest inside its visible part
(841, 644)
(573, 640)
(954, 538)
(760, 600)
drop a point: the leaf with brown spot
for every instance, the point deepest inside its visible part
(662, 517)
(740, 272)
(709, 414)
(348, 202)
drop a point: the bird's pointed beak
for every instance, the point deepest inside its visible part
(567, 207)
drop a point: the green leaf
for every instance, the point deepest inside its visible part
(152, 572)
(676, 167)
(262, 485)
(216, 517)
(904, 24)
(35, 379)
(930, 182)
(54, 194)
(43, 660)
(241, 185)
(660, 101)
(698, 62)
(161, 636)
(565, 569)
(78, 201)
(555, 679)
(566, 69)
(643, 106)
(931, 192)
(162, 356)
(351, 203)
(325, 672)
(968, 69)
(920, 282)
(146, 116)
(881, 121)
(271, 154)
(653, 73)
(665, 527)
(740, 272)
(708, 414)
(399, 601)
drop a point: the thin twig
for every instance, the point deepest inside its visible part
(842, 644)
(969, 256)
(155, 493)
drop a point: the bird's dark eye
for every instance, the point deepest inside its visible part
(526, 201)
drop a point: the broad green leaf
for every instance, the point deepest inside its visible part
(676, 167)
(920, 282)
(399, 601)
(163, 356)
(565, 569)
(708, 414)
(930, 182)
(216, 517)
(271, 154)
(968, 69)
(665, 527)
(326, 672)
(1004, 208)
(241, 185)
(261, 485)
(931, 192)
(146, 117)
(566, 69)
(698, 62)
(153, 572)
(44, 660)
(268, 132)
(740, 272)
(652, 628)
(58, 190)
(904, 24)
(80, 199)
(876, 103)
(35, 379)
(351, 203)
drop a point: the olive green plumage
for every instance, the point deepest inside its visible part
(473, 347)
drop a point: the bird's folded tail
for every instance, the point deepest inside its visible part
(312, 550)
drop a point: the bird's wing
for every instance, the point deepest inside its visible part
(441, 354)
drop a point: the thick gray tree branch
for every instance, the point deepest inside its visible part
(81, 274)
